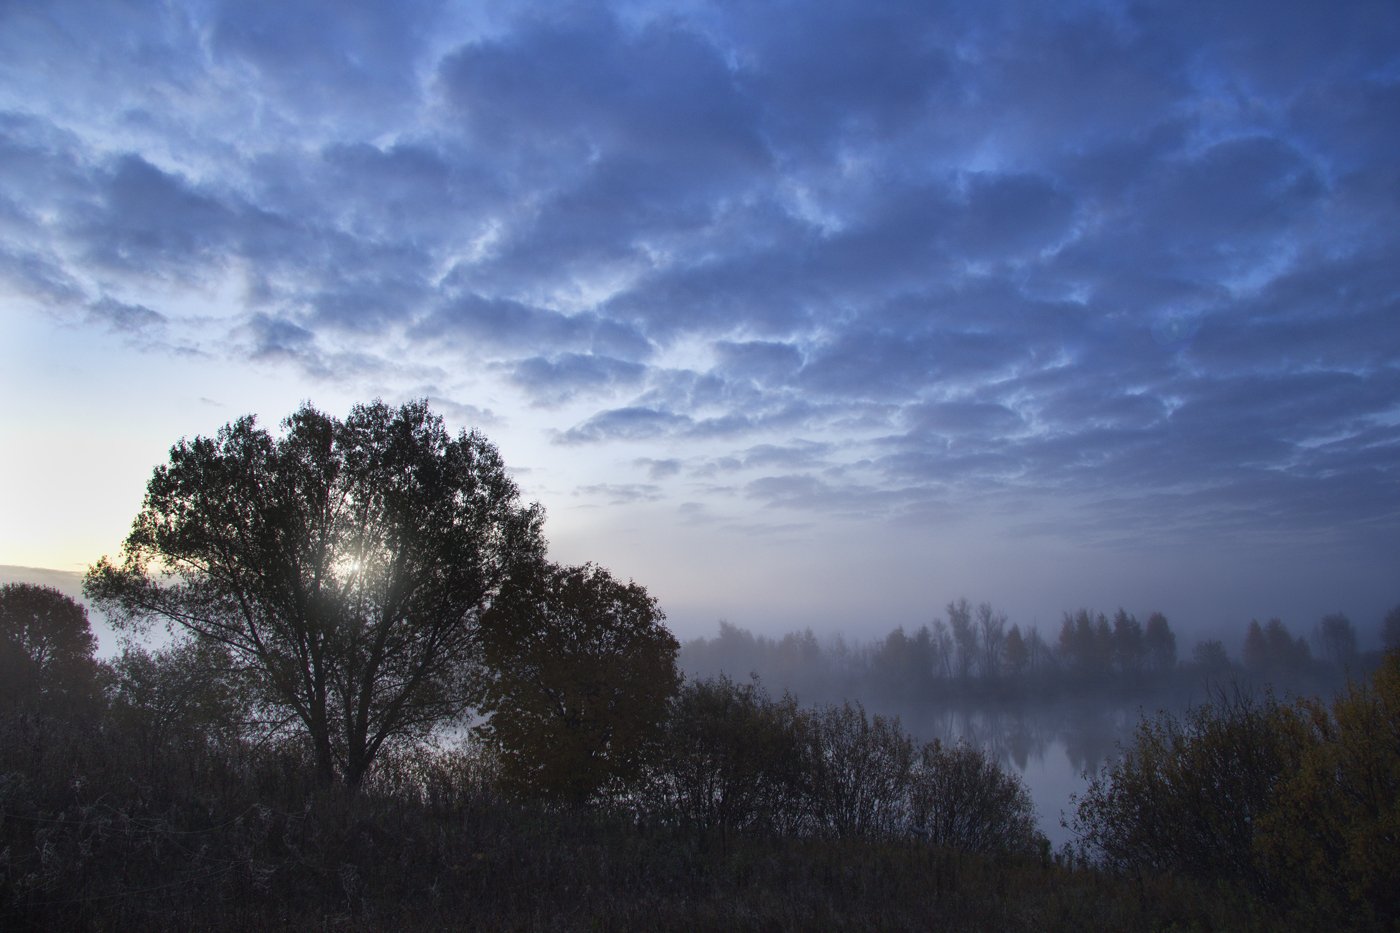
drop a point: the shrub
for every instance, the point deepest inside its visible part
(1186, 795)
(860, 772)
(959, 798)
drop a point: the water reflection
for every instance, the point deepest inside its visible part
(1051, 746)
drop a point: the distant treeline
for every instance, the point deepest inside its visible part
(975, 654)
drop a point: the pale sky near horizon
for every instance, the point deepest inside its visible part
(798, 314)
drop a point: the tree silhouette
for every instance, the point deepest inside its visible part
(1390, 629)
(345, 563)
(1336, 640)
(960, 799)
(46, 647)
(579, 670)
(1160, 642)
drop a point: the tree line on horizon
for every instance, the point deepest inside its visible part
(976, 655)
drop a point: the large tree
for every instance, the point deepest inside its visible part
(345, 563)
(580, 672)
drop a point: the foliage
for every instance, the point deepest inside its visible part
(99, 835)
(1160, 643)
(976, 657)
(1333, 832)
(1086, 643)
(1336, 640)
(1272, 651)
(964, 634)
(1298, 806)
(859, 768)
(346, 563)
(189, 693)
(960, 800)
(731, 758)
(579, 671)
(1017, 652)
(46, 649)
(1211, 659)
(106, 823)
(1187, 794)
(1390, 630)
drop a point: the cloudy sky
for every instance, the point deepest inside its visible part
(797, 313)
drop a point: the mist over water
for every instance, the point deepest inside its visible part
(1064, 713)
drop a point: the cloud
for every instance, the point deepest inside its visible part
(1010, 214)
(557, 380)
(148, 218)
(278, 338)
(507, 326)
(815, 496)
(964, 418)
(126, 318)
(39, 278)
(322, 58)
(620, 493)
(764, 361)
(659, 469)
(568, 85)
(853, 258)
(624, 424)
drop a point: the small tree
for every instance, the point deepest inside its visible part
(1187, 794)
(1160, 642)
(1336, 640)
(346, 564)
(1018, 654)
(579, 672)
(964, 637)
(860, 769)
(46, 648)
(1129, 645)
(190, 692)
(991, 626)
(1333, 834)
(1390, 630)
(1211, 658)
(960, 799)
(1086, 643)
(732, 758)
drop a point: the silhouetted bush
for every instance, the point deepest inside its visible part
(859, 770)
(959, 799)
(1187, 793)
(1296, 806)
(730, 758)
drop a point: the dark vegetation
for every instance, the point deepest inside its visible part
(1296, 805)
(380, 707)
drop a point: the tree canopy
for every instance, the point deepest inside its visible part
(46, 646)
(347, 563)
(579, 672)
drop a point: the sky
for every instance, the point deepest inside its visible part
(799, 314)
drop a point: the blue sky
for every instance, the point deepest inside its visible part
(797, 313)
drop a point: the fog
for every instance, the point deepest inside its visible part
(1053, 706)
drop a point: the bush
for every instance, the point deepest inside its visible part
(960, 799)
(1332, 836)
(730, 758)
(1295, 806)
(1187, 793)
(859, 772)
